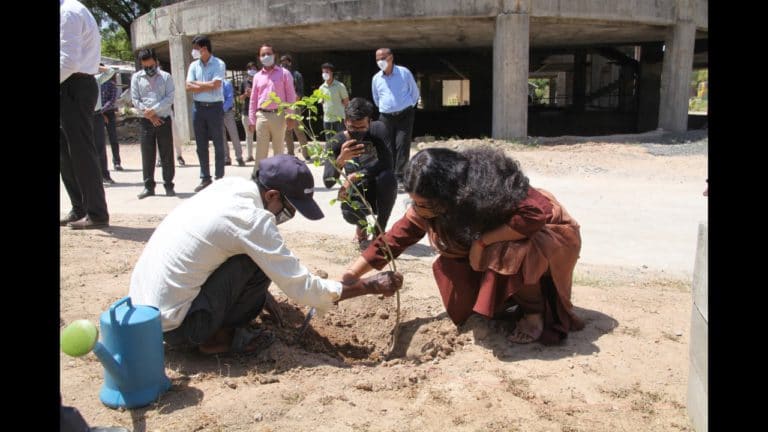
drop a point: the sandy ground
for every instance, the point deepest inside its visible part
(627, 370)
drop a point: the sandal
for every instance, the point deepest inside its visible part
(244, 341)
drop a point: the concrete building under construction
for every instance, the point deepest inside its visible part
(610, 66)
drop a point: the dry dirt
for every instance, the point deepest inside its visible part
(627, 370)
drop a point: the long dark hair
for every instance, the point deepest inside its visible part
(474, 190)
(495, 186)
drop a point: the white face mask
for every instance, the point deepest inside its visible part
(251, 72)
(326, 76)
(382, 64)
(195, 54)
(267, 60)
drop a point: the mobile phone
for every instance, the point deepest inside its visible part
(369, 155)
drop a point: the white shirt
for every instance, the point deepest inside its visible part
(225, 219)
(80, 40)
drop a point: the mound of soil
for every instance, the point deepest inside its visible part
(359, 331)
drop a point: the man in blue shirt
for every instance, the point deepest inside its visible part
(204, 79)
(230, 125)
(396, 94)
(152, 94)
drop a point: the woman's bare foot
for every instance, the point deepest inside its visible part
(528, 329)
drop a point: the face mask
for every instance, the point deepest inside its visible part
(326, 75)
(426, 212)
(285, 214)
(358, 135)
(382, 64)
(251, 72)
(195, 54)
(267, 60)
(150, 70)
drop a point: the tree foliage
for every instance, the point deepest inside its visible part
(115, 44)
(119, 12)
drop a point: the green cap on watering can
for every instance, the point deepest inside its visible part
(79, 338)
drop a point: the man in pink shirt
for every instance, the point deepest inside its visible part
(270, 126)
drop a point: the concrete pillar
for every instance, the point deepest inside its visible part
(676, 76)
(510, 74)
(698, 368)
(648, 87)
(481, 95)
(561, 93)
(579, 80)
(596, 78)
(180, 48)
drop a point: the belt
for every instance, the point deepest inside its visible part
(81, 75)
(209, 104)
(266, 110)
(397, 113)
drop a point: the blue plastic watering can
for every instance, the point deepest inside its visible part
(131, 352)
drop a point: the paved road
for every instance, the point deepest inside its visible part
(624, 222)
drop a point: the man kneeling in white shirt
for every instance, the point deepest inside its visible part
(209, 263)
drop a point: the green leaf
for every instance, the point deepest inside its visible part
(332, 201)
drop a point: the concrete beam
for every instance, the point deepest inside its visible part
(510, 76)
(676, 76)
(394, 21)
(180, 48)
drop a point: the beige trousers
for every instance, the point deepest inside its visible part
(269, 127)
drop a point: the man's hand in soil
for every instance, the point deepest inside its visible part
(385, 283)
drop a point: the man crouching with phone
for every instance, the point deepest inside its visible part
(362, 152)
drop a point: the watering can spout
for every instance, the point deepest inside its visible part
(111, 363)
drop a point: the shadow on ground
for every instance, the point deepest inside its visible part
(129, 233)
(491, 334)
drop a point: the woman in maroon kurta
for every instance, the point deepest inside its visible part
(501, 242)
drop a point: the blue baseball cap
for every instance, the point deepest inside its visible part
(292, 178)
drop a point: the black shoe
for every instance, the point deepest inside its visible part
(108, 181)
(203, 184)
(118, 167)
(88, 223)
(145, 193)
(70, 217)
(240, 162)
(180, 161)
(169, 191)
(227, 162)
(250, 159)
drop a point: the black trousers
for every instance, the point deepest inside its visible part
(400, 129)
(232, 296)
(78, 160)
(331, 129)
(157, 139)
(208, 120)
(381, 193)
(111, 125)
(99, 140)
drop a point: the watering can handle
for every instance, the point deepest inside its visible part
(116, 304)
